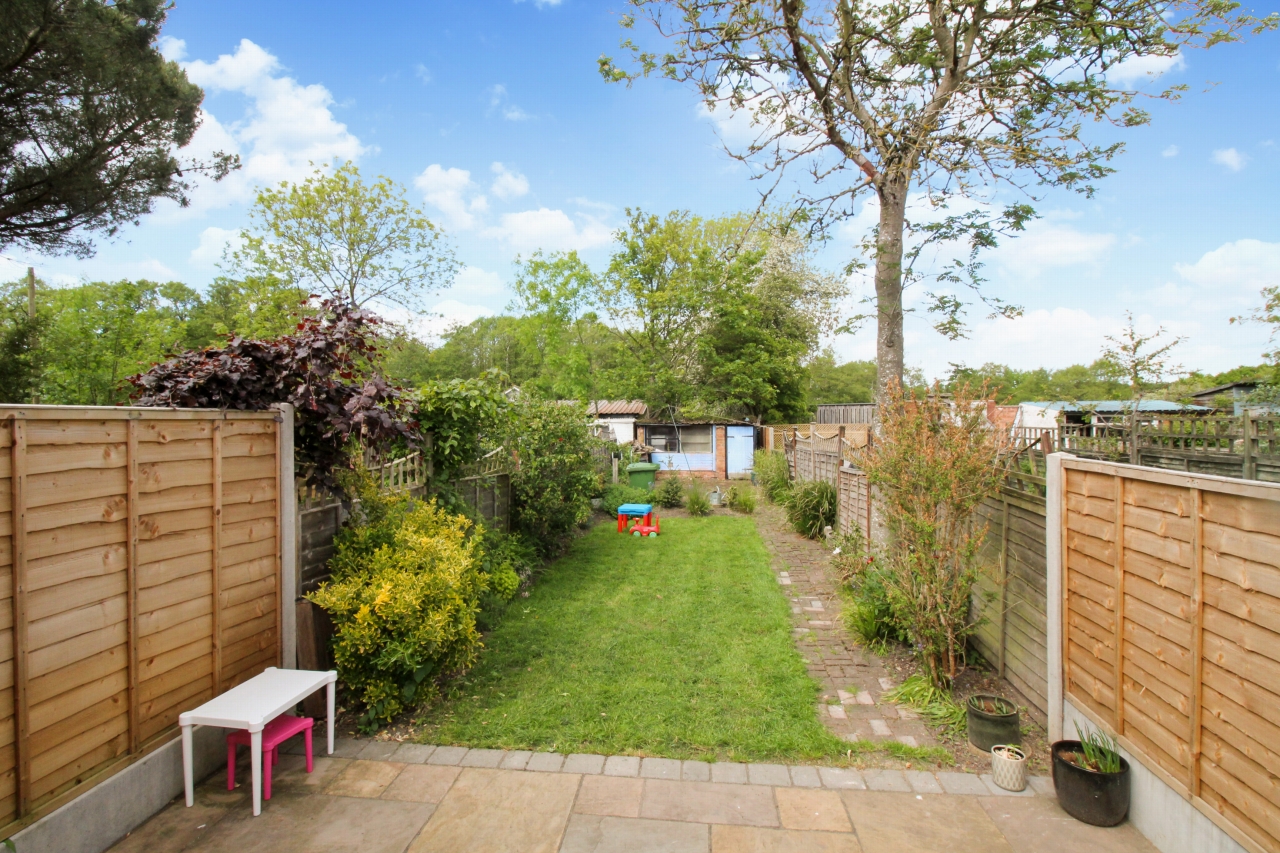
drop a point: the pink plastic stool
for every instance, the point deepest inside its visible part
(275, 733)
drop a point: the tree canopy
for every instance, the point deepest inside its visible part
(90, 116)
(346, 240)
(943, 99)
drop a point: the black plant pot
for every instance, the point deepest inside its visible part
(1100, 799)
(987, 729)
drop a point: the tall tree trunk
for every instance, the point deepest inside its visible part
(893, 207)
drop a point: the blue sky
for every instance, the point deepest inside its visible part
(493, 115)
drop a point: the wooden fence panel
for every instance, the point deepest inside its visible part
(139, 576)
(1172, 631)
(1010, 596)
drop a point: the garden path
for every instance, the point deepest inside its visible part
(853, 679)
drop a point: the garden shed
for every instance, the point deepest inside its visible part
(619, 416)
(711, 449)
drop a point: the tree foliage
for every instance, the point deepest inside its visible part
(88, 338)
(327, 369)
(348, 240)
(90, 115)
(942, 98)
(462, 415)
(1141, 359)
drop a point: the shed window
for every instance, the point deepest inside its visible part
(685, 439)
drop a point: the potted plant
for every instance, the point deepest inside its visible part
(1009, 767)
(1091, 778)
(992, 720)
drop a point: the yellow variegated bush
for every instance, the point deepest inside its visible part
(405, 591)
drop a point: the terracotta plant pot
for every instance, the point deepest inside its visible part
(1009, 767)
(992, 720)
(1099, 799)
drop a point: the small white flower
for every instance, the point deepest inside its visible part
(835, 553)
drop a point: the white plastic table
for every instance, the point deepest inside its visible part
(251, 706)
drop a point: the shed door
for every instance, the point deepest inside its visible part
(740, 448)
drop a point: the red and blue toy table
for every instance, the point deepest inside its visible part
(629, 511)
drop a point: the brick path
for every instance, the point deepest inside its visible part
(384, 797)
(852, 678)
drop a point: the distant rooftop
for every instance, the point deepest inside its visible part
(1245, 385)
(1118, 406)
(598, 408)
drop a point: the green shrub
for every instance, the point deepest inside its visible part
(669, 493)
(773, 475)
(552, 486)
(620, 493)
(812, 507)
(934, 462)
(696, 500)
(741, 499)
(507, 560)
(406, 587)
(870, 616)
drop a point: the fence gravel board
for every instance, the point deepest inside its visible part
(139, 564)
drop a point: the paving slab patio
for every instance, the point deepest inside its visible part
(390, 806)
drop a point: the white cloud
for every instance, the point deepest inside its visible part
(444, 189)
(508, 184)
(550, 230)
(1245, 265)
(1046, 244)
(1170, 151)
(422, 73)
(541, 4)
(1231, 158)
(1140, 69)
(474, 282)
(213, 243)
(588, 204)
(285, 129)
(172, 49)
(499, 100)
(448, 315)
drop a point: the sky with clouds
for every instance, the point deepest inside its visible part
(494, 117)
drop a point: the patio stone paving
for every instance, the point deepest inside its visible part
(369, 805)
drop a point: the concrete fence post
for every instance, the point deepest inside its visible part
(289, 524)
(1053, 532)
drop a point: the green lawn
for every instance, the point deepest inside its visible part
(675, 646)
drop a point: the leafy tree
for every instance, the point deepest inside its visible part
(851, 382)
(1141, 359)
(941, 99)
(327, 369)
(555, 293)
(252, 307)
(21, 358)
(656, 292)
(100, 333)
(346, 239)
(1097, 381)
(90, 115)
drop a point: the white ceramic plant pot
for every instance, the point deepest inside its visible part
(1009, 767)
